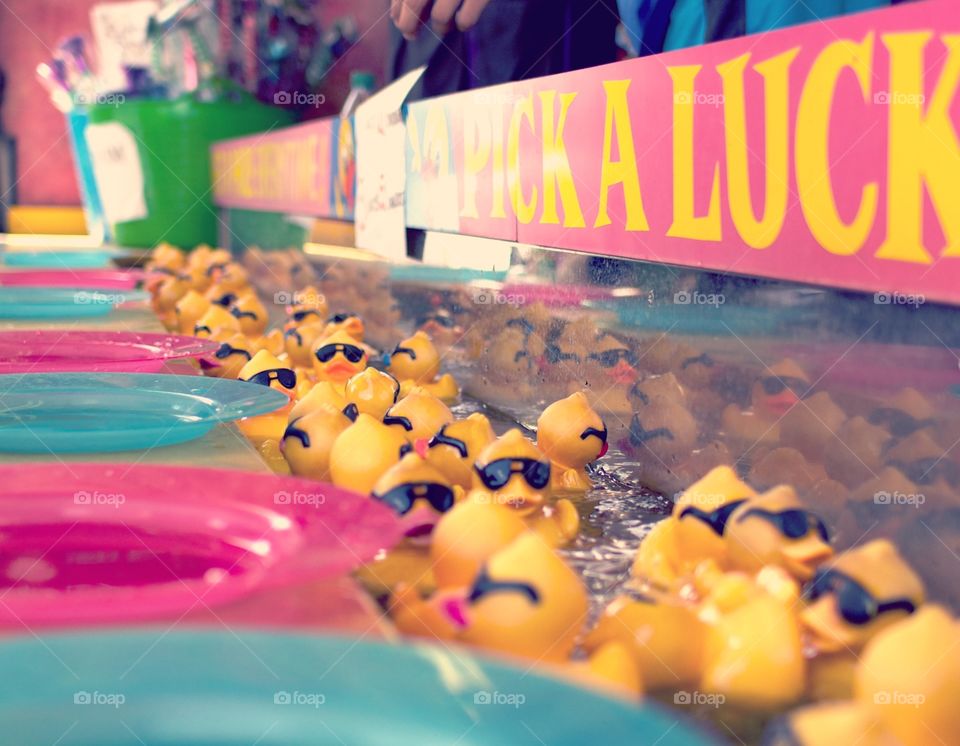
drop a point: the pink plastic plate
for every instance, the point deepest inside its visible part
(101, 279)
(115, 543)
(53, 351)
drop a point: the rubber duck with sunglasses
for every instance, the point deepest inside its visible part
(348, 323)
(420, 495)
(418, 416)
(416, 362)
(338, 357)
(455, 446)
(265, 369)
(906, 686)
(847, 603)
(512, 471)
(571, 434)
(773, 394)
(526, 602)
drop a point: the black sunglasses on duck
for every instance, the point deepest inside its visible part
(398, 350)
(339, 318)
(351, 352)
(284, 376)
(773, 385)
(497, 473)
(715, 519)
(402, 497)
(299, 316)
(794, 523)
(855, 603)
(293, 431)
(484, 585)
(225, 350)
(442, 439)
(609, 358)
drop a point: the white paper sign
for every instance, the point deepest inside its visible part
(117, 170)
(120, 34)
(382, 170)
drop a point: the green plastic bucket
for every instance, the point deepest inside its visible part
(162, 149)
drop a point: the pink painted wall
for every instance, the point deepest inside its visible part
(30, 30)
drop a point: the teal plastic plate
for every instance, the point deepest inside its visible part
(62, 303)
(105, 412)
(206, 688)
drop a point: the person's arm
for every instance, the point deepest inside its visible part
(407, 14)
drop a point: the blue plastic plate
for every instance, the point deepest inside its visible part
(62, 303)
(103, 412)
(206, 688)
(65, 259)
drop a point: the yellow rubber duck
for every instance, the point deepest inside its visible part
(775, 528)
(664, 636)
(338, 357)
(512, 471)
(298, 343)
(524, 602)
(229, 277)
(251, 314)
(189, 309)
(571, 434)
(772, 395)
(348, 323)
(309, 306)
(308, 441)
(864, 591)
(416, 362)
(363, 452)
(166, 256)
(455, 446)
(265, 369)
(234, 353)
(319, 394)
(906, 689)
(420, 495)
(372, 391)
(215, 318)
(166, 294)
(670, 553)
(418, 415)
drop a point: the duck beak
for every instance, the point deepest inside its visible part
(419, 523)
(781, 403)
(623, 372)
(803, 557)
(825, 629)
(455, 607)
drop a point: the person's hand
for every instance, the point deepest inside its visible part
(407, 14)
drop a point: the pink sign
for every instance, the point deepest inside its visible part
(284, 171)
(825, 153)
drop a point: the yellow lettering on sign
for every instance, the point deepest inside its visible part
(556, 165)
(436, 139)
(497, 205)
(617, 127)
(476, 155)
(525, 209)
(756, 232)
(812, 156)
(923, 149)
(686, 224)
